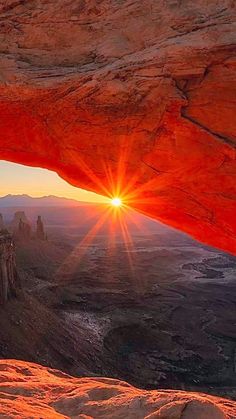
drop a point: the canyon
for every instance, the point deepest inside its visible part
(166, 323)
(135, 99)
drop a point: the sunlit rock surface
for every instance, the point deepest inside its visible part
(29, 390)
(140, 93)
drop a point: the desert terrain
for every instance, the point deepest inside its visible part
(156, 311)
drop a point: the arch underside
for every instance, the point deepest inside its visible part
(118, 96)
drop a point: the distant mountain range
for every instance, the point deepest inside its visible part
(44, 201)
(59, 212)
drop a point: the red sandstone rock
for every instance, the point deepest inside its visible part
(135, 93)
(31, 391)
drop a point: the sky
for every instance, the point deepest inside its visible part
(18, 179)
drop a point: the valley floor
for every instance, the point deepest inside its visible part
(156, 313)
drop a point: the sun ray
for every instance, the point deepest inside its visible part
(123, 192)
(72, 261)
(127, 240)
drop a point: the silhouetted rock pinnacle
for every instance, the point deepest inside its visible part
(40, 229)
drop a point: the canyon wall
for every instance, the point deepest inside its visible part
(135, 98)
(1, 222)
(9, 280)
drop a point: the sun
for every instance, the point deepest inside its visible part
(116, 202)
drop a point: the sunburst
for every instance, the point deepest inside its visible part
(116, 202)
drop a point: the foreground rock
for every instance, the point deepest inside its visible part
(139, 94)
(31, 391)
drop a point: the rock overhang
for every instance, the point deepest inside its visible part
(124, 96)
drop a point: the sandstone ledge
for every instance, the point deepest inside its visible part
(29, 390)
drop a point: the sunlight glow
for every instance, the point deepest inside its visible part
(121, 190)
(116, 202)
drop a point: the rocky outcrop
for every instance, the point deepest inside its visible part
(9, 280)
(129, 97)
(29, 390)
(23, 232)
(20, 226)
(1, 222)
(19, 217)
(40, 234)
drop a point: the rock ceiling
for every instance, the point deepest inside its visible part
(129, 97)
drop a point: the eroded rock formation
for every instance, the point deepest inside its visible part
(42, 393)
(20, 227)
(19, 216)
(40, 234)
(1, 222)
(24, 231)
(9, 280)
(132, 96)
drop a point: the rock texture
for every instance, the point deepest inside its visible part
(9, 280)
(129, 97)
(31, 391)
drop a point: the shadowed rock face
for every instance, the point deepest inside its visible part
(40, 392)
(140, 94)
(9, 279)
(1, 222)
